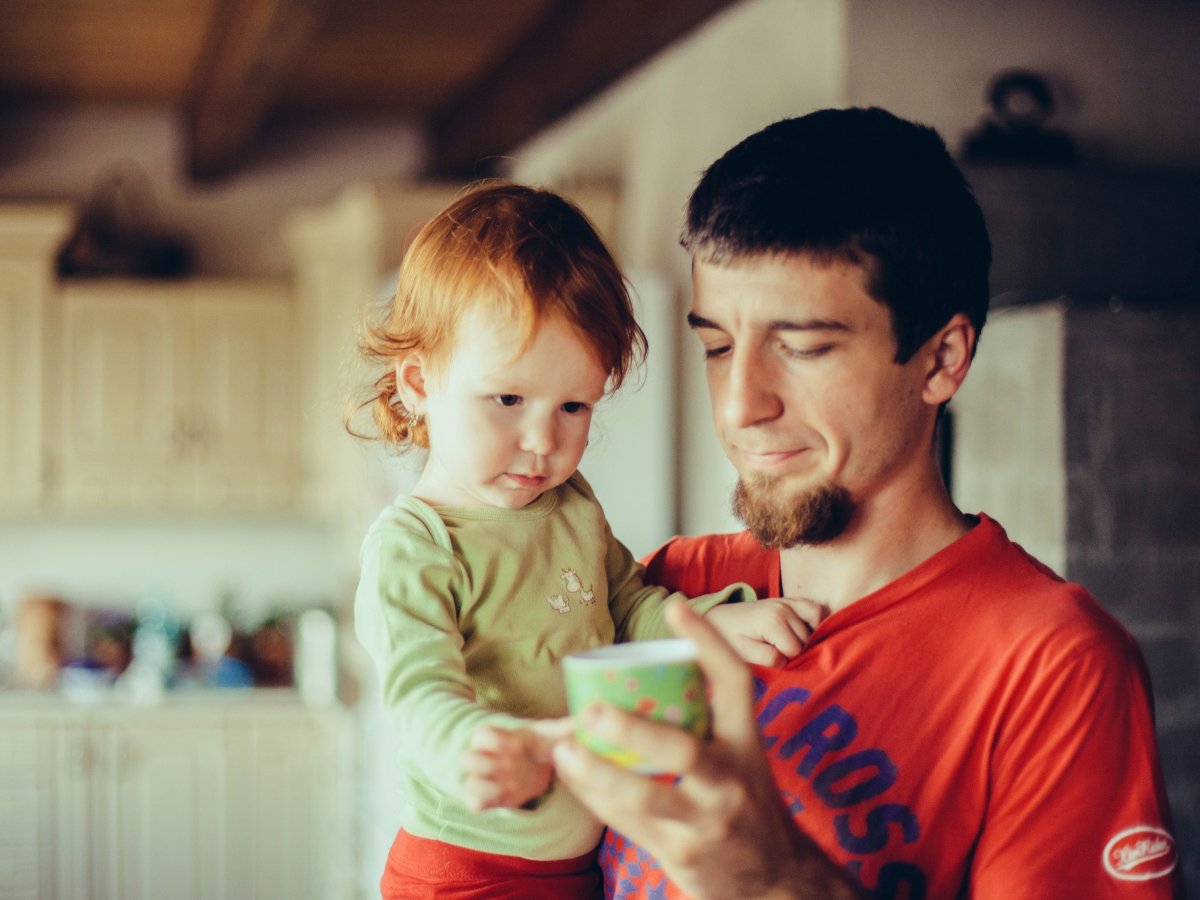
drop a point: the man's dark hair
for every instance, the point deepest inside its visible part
(860, 186)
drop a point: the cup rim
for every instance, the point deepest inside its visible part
(660, 651)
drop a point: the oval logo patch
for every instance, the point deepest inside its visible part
(1141, 853)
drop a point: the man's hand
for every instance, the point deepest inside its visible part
(722, 831)
(509, 767)
(768, 632)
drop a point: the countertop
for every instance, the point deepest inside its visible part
(30, 705)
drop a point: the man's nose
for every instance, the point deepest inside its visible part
(751, 392)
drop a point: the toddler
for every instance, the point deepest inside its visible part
(509, 324)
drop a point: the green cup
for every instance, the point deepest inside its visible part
(660, 680)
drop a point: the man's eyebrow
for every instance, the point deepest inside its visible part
(695, 321)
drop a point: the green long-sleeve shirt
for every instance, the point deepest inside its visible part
(467, 613)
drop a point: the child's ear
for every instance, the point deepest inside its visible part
(950, 351)
(410, 381)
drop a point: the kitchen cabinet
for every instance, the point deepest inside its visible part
(26, 795)
(176, 397)
(139, 810)
(289, 774)
(192, 800)
(20, 376)
(28, 239)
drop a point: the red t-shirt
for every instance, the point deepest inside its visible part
(978, 727)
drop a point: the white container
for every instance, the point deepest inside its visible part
(316, 657)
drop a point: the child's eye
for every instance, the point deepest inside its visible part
(507, 399)
(715, 352)
(575, 406)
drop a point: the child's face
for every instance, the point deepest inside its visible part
(506, 426)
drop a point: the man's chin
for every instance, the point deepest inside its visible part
(782, 519)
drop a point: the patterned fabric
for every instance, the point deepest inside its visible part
(630, 872)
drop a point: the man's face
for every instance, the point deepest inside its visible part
(816, 416)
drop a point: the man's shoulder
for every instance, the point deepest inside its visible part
(685, 550)
(1025, 600)
(703, 563)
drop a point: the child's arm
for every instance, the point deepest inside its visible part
(509, 767)
(768, 632)
(406, 619)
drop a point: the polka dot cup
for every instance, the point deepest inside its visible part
(657, 679)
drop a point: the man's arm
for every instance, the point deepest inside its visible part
(722, 831)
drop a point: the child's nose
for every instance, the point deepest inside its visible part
(538, 438)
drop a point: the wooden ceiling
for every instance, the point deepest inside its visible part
(479, 75)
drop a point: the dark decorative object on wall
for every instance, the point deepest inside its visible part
(116, 233)
(1015, 131)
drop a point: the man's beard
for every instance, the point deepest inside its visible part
(781, 520)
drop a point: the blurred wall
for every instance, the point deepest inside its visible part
(262, 567)
(1123, 74)
(234, 225)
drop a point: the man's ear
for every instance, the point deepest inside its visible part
(950, 350)
(410, 381)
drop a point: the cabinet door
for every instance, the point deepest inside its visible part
(243, 397)
(27, 796)
(290, 839)
(29, 237)
(178, 397)
(72, 808)
(120, 429)
(20, 386)
(160, 808)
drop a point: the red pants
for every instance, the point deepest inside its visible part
(422, 869)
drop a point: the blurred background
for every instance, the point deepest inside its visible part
(199, 199)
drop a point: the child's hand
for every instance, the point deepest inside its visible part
(510, 766)
(768, 632)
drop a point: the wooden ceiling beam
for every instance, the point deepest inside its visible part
(580, 47)
(251, 50)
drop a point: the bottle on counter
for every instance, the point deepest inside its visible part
(155, 653)
(211, 636)
(39, 653)
(316, 657)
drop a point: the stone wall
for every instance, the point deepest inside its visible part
(1132, 433)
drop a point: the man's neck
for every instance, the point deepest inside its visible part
(885, 540)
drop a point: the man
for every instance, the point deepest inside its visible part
(962, 722)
